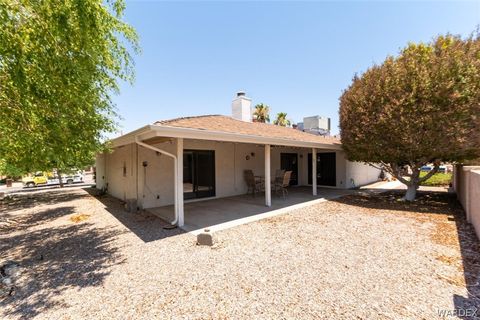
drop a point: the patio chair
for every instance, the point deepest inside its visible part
(283, 184)
(253, 184)
(279, 173)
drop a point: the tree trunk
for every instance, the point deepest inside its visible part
(59, 174)
(414, 182)
(411, 192)
(413, 185)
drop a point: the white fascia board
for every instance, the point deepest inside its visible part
(189, 133)
(129, 138)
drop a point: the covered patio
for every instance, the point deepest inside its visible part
(219, 164)
(223, 213)
(197, 172)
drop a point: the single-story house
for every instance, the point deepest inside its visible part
(203, 157)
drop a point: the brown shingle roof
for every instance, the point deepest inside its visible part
(222, 123)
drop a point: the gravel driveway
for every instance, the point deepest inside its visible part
(358, 257)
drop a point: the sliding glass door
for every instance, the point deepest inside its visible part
(289, 162)
(326, 169)
(198, 174)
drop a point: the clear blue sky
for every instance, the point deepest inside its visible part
(296, 57)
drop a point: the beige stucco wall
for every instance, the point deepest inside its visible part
(467, 186)
(474, 207)
(341, 169)
(230, 163)
(155, 183)
(119, 185)
(100, 171)
(462, 187)
(156, 180)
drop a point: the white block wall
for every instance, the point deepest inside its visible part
(359, 174)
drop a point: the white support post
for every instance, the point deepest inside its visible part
(268, 190)
(314, 171)
(179, 178)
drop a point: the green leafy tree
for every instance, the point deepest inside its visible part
(60, 63)
(262, 113)
(281, 120)
(420, 107)
(8, 170)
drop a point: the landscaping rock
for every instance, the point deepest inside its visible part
(205, 238)
(9, 272)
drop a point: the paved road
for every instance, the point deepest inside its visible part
(19, 188)
(15, 190)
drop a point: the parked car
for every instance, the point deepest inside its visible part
(44, 178)
(426, 168)
(441, 169)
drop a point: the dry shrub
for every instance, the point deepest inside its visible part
(79, 217)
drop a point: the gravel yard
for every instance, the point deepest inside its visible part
(357, 257)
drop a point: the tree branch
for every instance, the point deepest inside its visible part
(430, 173)
(397, 174)
(375, 166)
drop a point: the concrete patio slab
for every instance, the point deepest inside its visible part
(224, 213)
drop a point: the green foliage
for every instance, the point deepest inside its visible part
(60, 61)
(437, 180)
(420, 107)
(282, 120)
(9, 170)
(262, 113)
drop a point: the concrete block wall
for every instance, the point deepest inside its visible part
(474, 199)
(466, 183)
(359, 174)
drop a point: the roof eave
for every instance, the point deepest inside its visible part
(130, 137)
(191, 133)
(150, 131)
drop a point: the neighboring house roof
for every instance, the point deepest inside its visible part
(224, 128)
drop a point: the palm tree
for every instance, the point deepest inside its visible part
(261, 113)
(282, 120)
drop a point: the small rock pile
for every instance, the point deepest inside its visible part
(9, 273)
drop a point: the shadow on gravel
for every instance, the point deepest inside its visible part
(25, 201)
(427, 201)
(470, 249)
(54, 260)
(445, 209)
(144, 225)
(11, 223)
(63, 257)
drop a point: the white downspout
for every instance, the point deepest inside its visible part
(314, 171)
(175, 221)
(268, 190)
